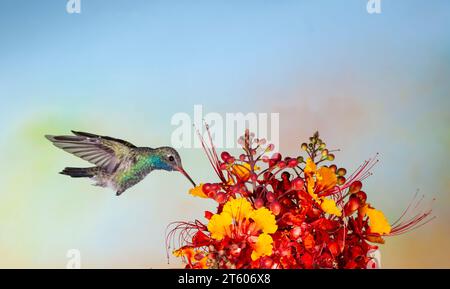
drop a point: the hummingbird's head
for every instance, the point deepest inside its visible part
(171, 161)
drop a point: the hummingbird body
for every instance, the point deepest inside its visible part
(119, 164)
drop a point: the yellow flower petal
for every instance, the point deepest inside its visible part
(219, 226)
(190, 253)
(198, 191)
(310, 171)
(262, 247)
(310, 183)
(329, 206)
(377, 221)
(264, 220)
(238, 209)
(242, 171)
(310, 167)
(203, 263)
(178, 252)
(185, 251)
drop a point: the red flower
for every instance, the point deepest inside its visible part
(286, 213)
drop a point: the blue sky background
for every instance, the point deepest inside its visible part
(369, 83)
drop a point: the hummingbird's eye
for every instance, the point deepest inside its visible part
(171, 158)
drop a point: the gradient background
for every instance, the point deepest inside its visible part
(369, 83)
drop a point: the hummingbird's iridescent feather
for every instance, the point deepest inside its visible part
(119, 164)
(104, 152)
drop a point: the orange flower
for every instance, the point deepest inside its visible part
(194, 257)
(377, 221)
(264, 220)
(238, 209)
(219, 226)
(329, 206)
(318, 180)
(326, 179)
(198, 191)
(262, 247)
(242, 171)
(310, 168)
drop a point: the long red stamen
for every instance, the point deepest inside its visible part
(361, 173)
(181, 234)
(410, 220)
(211, 153)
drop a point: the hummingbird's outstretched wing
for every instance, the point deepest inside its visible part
(102, 151)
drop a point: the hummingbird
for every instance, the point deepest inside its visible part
(118, 164)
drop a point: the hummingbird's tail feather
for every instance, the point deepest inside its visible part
(80, 172)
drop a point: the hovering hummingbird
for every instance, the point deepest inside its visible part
(118, 163)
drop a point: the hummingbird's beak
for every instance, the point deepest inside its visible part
(181, 170)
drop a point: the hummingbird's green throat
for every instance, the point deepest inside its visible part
(118, 163)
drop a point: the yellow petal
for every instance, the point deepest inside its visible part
(198, 191)
(310, 171)
(238, 209)
(242, 171)
(378, 222)
(190, 254)
(185, 251)
(248, 167)
(310, 183)
(262, 247)
(329, 207)
(264, 220)
(178, 252)
(219, 226)
(310, 167)
(203, 263)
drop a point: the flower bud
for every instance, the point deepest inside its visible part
(230, 160)
(215, 187)
(221, 197)
(341, 172)
(270, 197)
(285, 176)
(292, 163)
(225, 156)
(276, 157)
(206, 188)
(275, 207)
(259, 203)
(355, 187)
(361, 196)
(341, 180)
(281, 164)
(298, 184)
(351, 206)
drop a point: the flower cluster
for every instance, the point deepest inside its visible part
(276, 212)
